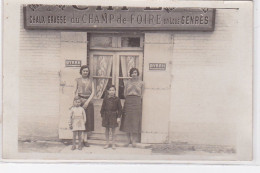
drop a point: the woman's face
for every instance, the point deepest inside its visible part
(134, 74)
(85, 72)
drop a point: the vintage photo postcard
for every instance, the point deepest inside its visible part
(142, 81)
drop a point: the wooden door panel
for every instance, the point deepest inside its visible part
(73, 48)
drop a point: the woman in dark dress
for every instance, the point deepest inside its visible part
(85, 90)
(132, 111)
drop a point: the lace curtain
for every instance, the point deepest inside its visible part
(102, 67)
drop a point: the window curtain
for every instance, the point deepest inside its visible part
(128, 62)
(102, 67)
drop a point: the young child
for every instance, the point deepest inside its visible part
(111, 111)
(77, 122)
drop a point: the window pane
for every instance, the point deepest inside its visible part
(130, 42)
(100, 41)
(126, 63)
(102, 65)
(102, 69)
(109, 83)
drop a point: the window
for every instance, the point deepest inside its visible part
(115, 41)
(100, 41)
(130, 42)
(102, 73)
(111, 56)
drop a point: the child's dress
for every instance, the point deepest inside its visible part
(111, 110)
(77, 118)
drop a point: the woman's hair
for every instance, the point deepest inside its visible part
(82, 67)
(111, 86)
(132, 71)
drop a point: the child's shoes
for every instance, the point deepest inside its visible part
(106, 146)
(80, 147)
(86, 144)
(114, 146)
(127, 144)
(133, 145)
(73, 147)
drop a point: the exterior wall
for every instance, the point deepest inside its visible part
(208, 100)
(48, 51)
(39, 106)
(205, 70)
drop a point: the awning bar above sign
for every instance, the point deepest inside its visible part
(118, 18)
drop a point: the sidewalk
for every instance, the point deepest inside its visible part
(97, 147)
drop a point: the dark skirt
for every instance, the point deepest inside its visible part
(109, 120)
(89, 115)
(132, 115)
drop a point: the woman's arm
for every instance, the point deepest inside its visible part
(90, 97)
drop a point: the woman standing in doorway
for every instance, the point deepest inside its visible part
(132, 111)
(85, 90)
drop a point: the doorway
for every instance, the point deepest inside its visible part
(110, 58)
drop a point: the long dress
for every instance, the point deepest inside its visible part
(111, 110)
(132, 110)
(84, 88)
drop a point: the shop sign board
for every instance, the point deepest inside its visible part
(118, 18)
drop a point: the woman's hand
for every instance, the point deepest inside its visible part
(85, 105)
(118, 120)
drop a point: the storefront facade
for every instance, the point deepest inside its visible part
(177, 62)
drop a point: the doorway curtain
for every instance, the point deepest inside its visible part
(128, 62)
(102, 69)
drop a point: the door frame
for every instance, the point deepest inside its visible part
(115, 52)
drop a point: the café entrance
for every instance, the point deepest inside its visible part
(110, 58)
